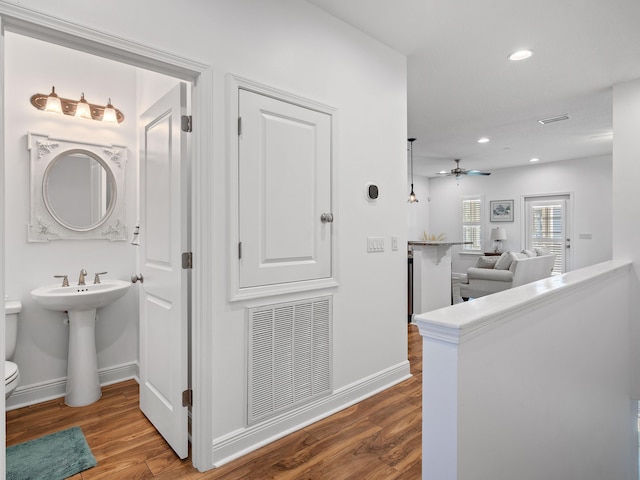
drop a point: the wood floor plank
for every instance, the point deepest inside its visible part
(376, 439)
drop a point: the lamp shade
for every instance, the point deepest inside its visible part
(82, 109)
(53, 105)
(109, 115)
(498, 234)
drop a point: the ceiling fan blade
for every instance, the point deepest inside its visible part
(476, 172)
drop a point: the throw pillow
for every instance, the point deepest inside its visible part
(530, 253)
(542, 251)
(515, 255)
(486, 262)
(504, 261)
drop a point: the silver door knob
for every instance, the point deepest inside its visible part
(326, 218)
(136, 278)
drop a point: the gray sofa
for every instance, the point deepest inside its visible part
(511, 269)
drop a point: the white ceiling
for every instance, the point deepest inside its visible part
(462, 86)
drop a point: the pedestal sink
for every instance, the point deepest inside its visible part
(81, 303)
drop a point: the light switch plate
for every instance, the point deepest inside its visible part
(375, 244)
(394, 243)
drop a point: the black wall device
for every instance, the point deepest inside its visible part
(372, 191)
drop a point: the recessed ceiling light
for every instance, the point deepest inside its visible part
(520, 55)
(442, 172)
(483, 140)
(534, 160)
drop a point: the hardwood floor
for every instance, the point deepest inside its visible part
(376, 439)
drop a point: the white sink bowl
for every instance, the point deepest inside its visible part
(80, 297)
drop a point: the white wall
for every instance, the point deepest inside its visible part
(34, 67)
(588, 179)
(626, 208)
(295, 47)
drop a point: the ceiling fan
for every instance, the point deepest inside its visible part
(458, 171)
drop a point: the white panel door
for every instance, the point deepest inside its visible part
(284, 189)
(163, 238)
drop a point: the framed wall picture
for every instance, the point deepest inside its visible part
(501, 210)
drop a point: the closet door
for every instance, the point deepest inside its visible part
(284, 191)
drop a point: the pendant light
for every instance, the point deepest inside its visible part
(412, 196)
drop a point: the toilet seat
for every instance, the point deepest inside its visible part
(10, 372)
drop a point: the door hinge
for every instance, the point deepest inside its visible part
(239, 126)
(187, 123)
(187, 260)
(187, 398)
(239, 249)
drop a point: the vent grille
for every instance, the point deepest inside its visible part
(557, 118)
(289, 355)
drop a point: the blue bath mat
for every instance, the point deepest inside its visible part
(52, 457)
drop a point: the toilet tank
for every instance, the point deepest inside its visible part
(11, 311)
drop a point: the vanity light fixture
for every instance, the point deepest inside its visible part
(412, 196)
(78, 108)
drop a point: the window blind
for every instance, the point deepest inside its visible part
(546, 228)
(547, 232)
(472, 224)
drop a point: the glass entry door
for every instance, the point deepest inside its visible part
(546, 227)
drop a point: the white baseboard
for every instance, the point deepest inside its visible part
(245, 440)
(25, 395)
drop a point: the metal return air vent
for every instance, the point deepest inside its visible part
(289, 355)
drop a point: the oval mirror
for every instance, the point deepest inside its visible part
(79, 190)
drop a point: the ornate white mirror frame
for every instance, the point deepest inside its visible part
(101, 191)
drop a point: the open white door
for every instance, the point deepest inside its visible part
(164, 291)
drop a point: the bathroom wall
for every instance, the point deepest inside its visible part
(41, 353)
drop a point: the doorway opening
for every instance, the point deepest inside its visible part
(79, 252)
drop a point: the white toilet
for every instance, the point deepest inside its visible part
(11, 373)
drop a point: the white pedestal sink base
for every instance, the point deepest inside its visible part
(83, 385)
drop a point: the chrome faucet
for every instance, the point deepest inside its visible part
(96, 279)
(83, 272)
